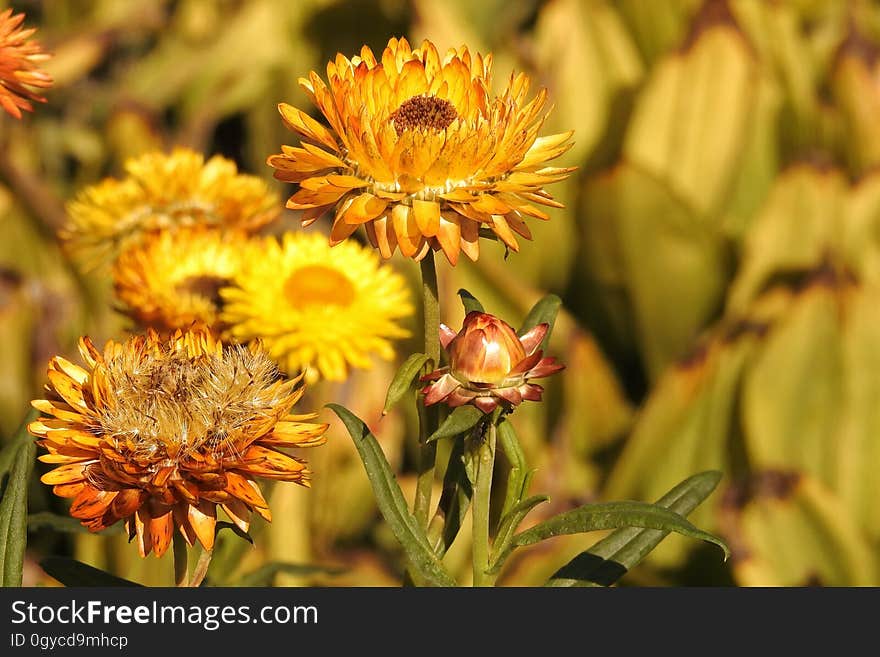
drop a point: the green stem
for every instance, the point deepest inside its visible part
(480, 510)
(201, 568)
(178, 547)
(428, 419)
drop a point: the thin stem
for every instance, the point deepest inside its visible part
(201, 568)
(428, 415)
(480, 510)
(178, 547)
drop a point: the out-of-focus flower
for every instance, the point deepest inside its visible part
(173, 278)
(165, 192)
(158, 432)
(489, 364)
(420, 152)
(20, 58)
(317, 308)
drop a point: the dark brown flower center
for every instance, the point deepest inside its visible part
(207, 287)
(423, 112)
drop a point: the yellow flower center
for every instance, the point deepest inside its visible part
(205, 286)
(423, 112)
(316, 285)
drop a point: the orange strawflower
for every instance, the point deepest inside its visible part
(420, 152)
(159, 432)
(19, 61)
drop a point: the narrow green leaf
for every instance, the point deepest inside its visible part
(391, 502)
(402, 382)
(265, 574)
(469, 301)
(64, 524)
(16, 465)
(543, 312)
(71, 572)
(235, 529)
(455, 498)
(605, 562)
(611, 515)
(511, 520)
(519, 477)
(461, 419)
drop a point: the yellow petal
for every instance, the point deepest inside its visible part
(427, 215)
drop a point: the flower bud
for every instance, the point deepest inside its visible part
(485, 351)
(489, 364)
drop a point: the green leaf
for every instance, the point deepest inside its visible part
(543, 312)
(71, 572)
(235, 529)
(461, 419)
(16, 465)
(392, 504)
(470, 302)
(403, 380)
(455, 498)
(64, 524)
(610, 515)
(264, 575)
(605, 562)
(519, 476)
(511, 520)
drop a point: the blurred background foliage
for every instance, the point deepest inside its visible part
(718, 258)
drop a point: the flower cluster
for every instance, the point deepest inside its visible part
(179, 232)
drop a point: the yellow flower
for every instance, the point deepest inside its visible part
(162, 192)
(174, 278)
(316, 307)
(420, 152)
(159, 432)
(19, 59)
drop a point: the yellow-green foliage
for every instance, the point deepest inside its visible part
(718, 257)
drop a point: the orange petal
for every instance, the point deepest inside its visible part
(427, 215)
(161, 531)
(386, 238)
(502, 229)
(364, 208)
(238, 513)
(271, 463)
(470, 238)
(127, 502)
(69, 490)
(58, 410)
(91, 503)
(302, 123)
(409, 237)
(66, 474)
(245, 489)
(141, 529)
(449, 236)
(66, 388)
(203, 518)
(296, 434)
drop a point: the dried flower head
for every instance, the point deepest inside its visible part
(420, 152)
(158, 432)
(173, 278)
(20, 57)
(315, 308)
(165, 192)
(489, 364)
